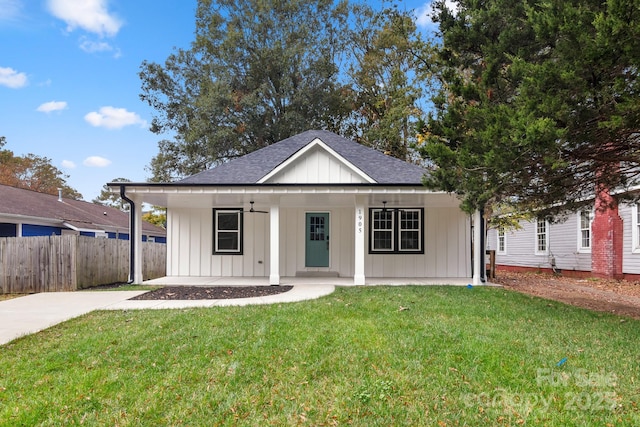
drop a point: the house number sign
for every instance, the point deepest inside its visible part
(359, 219)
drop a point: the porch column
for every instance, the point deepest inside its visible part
(137, 235)
(477, 247)
(274, 245)
(358, 276)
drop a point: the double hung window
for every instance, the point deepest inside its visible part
(396, 231)
(502, 241)
(584, 238)
(227, 231)
(542, 237)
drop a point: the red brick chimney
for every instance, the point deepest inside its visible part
(607, 243)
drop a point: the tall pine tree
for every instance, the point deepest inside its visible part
(538, 102)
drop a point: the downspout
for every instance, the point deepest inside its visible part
(132, 233)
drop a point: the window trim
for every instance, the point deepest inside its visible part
(240, 231)
(581, 248)
(396, 232)
(635, 228)
(536, 235)
(501, 234)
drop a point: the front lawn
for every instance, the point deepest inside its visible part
(365, 356)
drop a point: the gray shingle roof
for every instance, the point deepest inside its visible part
(251, 168)
(81, 214)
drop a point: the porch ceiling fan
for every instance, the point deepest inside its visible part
(385, 209)
(252, 210)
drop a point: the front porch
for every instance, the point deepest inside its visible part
(292, 281)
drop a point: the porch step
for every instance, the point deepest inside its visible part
(317, 274)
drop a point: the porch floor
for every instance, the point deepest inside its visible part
(335, 281)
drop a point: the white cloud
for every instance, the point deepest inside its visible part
(68, 164)
(50, 106)
(10, 10)
(11, 78)
(424, 14)
(91, 46)
(90, 15)
(113, 118)
(96, 162)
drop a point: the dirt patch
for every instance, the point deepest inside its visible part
(215, 292)
(613, 296)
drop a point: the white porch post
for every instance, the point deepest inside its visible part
(137, 256)
(477, 247)
(274, 245)
(358, 276)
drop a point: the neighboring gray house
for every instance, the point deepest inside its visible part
(25, 213)
(568, 247)
(312, 204)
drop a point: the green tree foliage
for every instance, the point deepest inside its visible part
(157, 216)
(258, 72)
(108, 198)
(33, 172)
(386, 86)
(538, 100)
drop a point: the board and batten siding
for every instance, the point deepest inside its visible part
(447, 243)
(190, 239)
(292, 241)
(317, 166)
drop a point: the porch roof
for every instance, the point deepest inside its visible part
(287, 195)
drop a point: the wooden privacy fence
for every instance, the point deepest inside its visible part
(69, 263)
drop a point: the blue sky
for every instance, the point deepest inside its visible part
(69, 85)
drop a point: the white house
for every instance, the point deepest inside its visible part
(312, 204)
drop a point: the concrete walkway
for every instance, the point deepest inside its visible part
(33, 313)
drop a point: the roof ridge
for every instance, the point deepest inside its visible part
(252, 167)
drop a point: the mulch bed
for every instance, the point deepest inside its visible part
(215, 292)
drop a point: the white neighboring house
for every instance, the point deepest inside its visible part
(312, 204)
(568, 247)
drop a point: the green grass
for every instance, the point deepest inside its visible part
(454, 356)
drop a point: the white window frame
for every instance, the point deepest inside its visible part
(216, 231)
(501, 241)
(374, 230)
(537, 235)
(396, 231)
(635, 228)
(418, 230)
(581, 230)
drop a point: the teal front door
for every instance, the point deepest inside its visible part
(317, 240)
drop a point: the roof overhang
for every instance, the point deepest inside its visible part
(84, 227)
(29, 219)
(176, 195)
